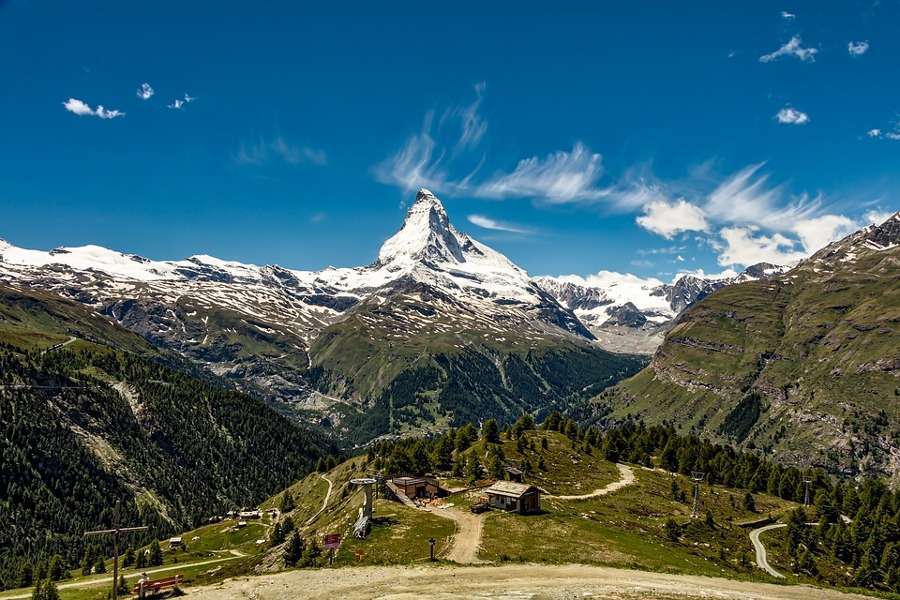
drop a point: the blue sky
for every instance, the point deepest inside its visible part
(574, 137)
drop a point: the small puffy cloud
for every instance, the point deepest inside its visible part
(788, 16)
(879, 134)
(83, 109)
(145, 92)
(874, 133)
(559, 178)
(792, 116)
(792, 48)
(745, 246)
(670, 218)
(179, 103)
(494, 225)
(858, 48)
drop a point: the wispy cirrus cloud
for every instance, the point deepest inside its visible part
(793, 48)
(495, 225)
(263, 150)
(83, 109)
(559, 177)
(791, 116)
(436, 155)
(858, 48)
(145, 92)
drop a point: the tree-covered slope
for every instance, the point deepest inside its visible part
(86, 425)
(417, 360)
(806, 365)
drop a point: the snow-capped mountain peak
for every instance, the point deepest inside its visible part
(426, 234)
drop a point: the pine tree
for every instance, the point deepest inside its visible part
(100, 565)
(673, 532)
(156, 557)
(294, 550)
(749, 502)
(277, 535)
(311, 554)
(473, 469)
(286, 503)
(490, 433)
(56, 571)
(129, 558)
(459, 466)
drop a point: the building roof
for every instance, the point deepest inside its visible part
(510, 488)
(408, 480)
(513, 470)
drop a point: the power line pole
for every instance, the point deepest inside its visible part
(806, 483)
(697, 477)
(115, 532)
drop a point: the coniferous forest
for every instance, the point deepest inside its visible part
(83, 430)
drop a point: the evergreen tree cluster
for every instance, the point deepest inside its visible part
(69, 441)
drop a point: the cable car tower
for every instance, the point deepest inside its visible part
(697, 477)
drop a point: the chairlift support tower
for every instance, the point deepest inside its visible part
(807, 481)
(697, 477)
(115, 532)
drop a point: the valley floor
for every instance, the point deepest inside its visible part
(512, 581)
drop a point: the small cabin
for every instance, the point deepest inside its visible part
(418, 487)
(513, 473)
(514, 497)
(250, 514)
(176, 542)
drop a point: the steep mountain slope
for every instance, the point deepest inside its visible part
(805, 365)
(437, 313)
(630, 314)
(103, 419)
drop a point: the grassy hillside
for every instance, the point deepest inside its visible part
(804, 366)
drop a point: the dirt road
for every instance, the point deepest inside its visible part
(626, 477)
(467, 539)
(514, 581)
(324, 502)
(761, 560)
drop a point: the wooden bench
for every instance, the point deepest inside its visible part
(155, 586)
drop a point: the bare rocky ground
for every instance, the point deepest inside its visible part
(514, 582)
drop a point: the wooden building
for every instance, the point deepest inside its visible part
(517, 497)
(418, 487)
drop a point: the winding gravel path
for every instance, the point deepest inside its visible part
(626, 478)
(761, 560)
(467, 539)
(324, 502)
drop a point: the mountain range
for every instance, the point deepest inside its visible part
(804, 365)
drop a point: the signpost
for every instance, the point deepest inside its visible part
(431, 542)
(332, 542)
(116, 531)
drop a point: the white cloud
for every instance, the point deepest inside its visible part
(792, 116)
(558, 178)
(179, 103)
(879, 134)
(818, 232)
(701, 274)
(489, 223)
(472, 125)
(787, 15)
(746, 198)
(424, 159)
(858, 48)
(744, 246)
(82, 109)
(876, 217)
(791, 48)
(670, 218)
(263, 150)
(145, 92)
